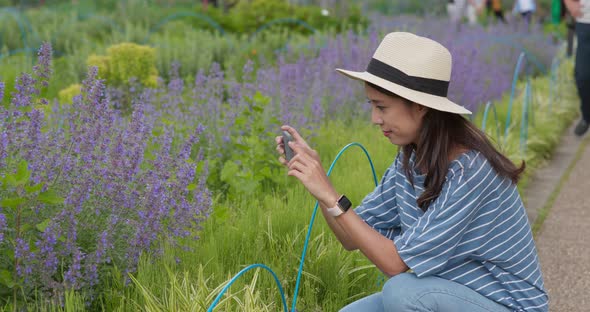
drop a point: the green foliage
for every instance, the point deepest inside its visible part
(19, 193)
(249, 169)
(125, 61)
(249, 16)
(66, 95)
(553, 106)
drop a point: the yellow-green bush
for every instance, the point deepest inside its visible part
(66, 95)
(124, 61)
(101, 62)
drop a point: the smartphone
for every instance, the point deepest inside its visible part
(288, 150)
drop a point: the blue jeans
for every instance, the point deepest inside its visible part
(582, 68)
(406, 292)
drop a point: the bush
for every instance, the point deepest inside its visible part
(248, 17)
(125, 61)
(66, 95)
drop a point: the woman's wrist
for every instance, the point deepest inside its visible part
(330, 199)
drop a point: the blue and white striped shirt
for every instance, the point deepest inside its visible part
(475, 233)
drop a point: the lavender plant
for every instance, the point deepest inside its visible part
(91, 189)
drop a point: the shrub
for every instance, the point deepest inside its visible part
(66, 95)
(249, 16)
(125, 61)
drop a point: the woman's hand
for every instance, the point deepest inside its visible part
(307, 167)
(296, 138)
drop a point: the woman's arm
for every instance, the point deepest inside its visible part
(342, 236)
(349, 228)
(377, 248)
(338, 230)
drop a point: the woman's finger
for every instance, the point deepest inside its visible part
(296, 174)
(283, 161)
(299, 166)
(294, 134)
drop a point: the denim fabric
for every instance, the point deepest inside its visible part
(406, 292)
(582, 68)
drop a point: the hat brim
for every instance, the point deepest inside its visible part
(433, 101)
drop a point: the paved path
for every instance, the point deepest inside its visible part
(545, 180)
(564, 240)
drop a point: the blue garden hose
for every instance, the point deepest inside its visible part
(315, 209)
(253, 266)
(218, 298)
(521, 58)
(485, 118)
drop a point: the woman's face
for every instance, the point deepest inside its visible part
(399, 121)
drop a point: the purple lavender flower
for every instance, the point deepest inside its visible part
(2, 226)
(43, 68)
(2, 87)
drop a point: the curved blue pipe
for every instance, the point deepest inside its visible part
(521, 58)
(315, 209)
(485, 118)
(248, 268)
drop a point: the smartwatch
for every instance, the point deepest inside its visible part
(342, 206)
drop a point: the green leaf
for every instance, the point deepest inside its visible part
(242, 147)
(49, 197)
(230, 169)
(191, 187)
(6, 278)
(43, 225)
(23, 174)
(9, 180)
(257, 108)
(265, 172)
(241, 121)
(34, 188)
(261, 98)
(12, 202)
(220, 213)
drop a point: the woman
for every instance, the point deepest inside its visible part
(447, 209)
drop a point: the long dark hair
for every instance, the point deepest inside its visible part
(441, 132)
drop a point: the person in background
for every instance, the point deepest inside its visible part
(495, 7)
(457, 9)
(525, 8)
(580, 10)
(447, 208)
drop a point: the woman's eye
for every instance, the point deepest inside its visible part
(381, 108)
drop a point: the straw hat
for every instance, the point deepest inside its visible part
(413, 67)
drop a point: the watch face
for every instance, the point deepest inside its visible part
(344, 203)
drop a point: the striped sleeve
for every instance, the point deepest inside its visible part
(428, 244)
(379, 208)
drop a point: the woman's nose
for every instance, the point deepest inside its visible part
(376, 116)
